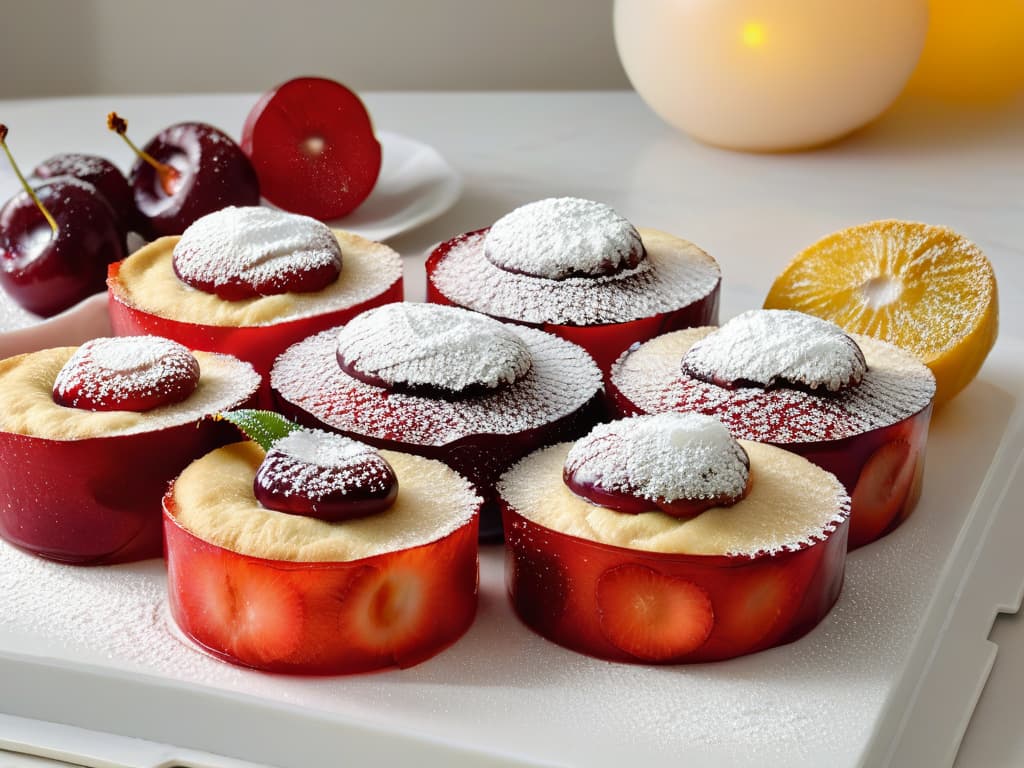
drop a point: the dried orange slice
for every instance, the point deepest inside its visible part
(922, 287)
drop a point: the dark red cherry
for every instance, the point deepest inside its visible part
(126, 373)
(187, 171)
(324, 475)
(105, 176)
(56, 243)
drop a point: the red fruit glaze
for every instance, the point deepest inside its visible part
(127, 373)
(646, 607)
(324, 475)
(604, 341)
(312, 144)
(390, 610)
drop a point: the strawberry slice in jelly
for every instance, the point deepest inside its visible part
(652, 616)
(883, 489)
(251, 613)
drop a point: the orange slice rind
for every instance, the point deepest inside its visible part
(922, 287)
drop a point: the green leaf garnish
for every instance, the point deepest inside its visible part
(263, 427)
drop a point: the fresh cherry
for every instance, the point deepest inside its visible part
(312, 144)
(126, 373)
(324, 475)
(105, 176)
(187, 171)
(56, 242)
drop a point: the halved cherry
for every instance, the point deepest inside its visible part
(652, 616)
(126, 373)
(313, 147)
(324, 475)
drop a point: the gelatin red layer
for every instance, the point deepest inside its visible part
(300, 621)
(848, 459)
(480, 458)
(606, 341)
(753, 603)
(258, 345)
(96, 501)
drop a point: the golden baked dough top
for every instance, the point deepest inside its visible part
(213, 498)
(26, 392)
(791, 503)
(146, 281)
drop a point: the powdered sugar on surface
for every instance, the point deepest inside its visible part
(561, 237)
(449, 348)
(108, 370)
(254, 245)
(674, 275)
(895, 387)
(668, 456)
(316, 464)
(561, 379)
(770, 346)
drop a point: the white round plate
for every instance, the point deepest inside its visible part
(416, 185)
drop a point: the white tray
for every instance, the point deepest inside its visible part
(890, 677)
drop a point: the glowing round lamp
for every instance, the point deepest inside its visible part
(974, 51)
(768, 75)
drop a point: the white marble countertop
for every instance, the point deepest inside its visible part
(960, 168)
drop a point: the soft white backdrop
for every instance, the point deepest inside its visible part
(64, 47)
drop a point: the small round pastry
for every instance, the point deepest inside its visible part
(250, 281)
(853, 405)
(358, 561)
(91, 437)
(662, 539)
(578, 269)
(444, 383)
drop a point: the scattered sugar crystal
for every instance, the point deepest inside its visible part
(318, 463)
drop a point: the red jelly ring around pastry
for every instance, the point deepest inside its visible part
(605, 342)
(293, 620)
(739, 604)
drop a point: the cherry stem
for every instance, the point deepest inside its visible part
(168, 175)
(17, 172)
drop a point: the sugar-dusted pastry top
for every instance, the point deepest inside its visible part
(146, 281)
(26, 391)
(213, 499)
(790, 503)
(894, 387)
(674, 274)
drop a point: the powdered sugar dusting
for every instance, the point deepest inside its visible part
(106, 372)
(674, 275)
(895, 387)
(561, 379)
(417, 345)
(561, 237)
(261, 248)
(765, 347)
(315, 464)
(663, 457)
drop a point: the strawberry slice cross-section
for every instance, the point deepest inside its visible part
(652, 616)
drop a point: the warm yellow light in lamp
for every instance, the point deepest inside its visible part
(769, 75)
(753, 34)
(974, 51)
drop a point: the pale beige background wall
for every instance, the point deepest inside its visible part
(60, 47)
